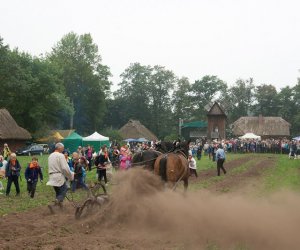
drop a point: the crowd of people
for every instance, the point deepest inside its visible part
(79, 162)
(273, 146)
(74, 165)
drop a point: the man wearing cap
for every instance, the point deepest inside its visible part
(59, 171)
(220, 156)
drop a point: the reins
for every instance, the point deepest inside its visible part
(141, 162)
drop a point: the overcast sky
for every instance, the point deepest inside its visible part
(228, 38)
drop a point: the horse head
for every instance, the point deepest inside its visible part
(184, 147)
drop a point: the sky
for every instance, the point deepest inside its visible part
(228, 38)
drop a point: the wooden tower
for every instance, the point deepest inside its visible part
(216, 121)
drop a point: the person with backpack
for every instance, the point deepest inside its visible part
(32, 174)
(12, 173)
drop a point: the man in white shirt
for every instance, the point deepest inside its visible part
(59, 171)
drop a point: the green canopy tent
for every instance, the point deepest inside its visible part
(72, 142)
(96, 140)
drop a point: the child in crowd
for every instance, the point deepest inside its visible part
(192, 165)
(79, 171)
(32, 173)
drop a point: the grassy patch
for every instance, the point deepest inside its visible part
(44, 194)
(285, 175)
(209, 164)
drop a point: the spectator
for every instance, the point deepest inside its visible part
(192, 165)
(32, 173)
(6, 151)
(199, 151)
(89, 156)
(69, 161)
(3, 163)
(78, 174)
(12, 173)
(101, 161)
(2, 171)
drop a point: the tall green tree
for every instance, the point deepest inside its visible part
(294, 107)
(85, 79)
(266, 100)
(204, 91)
(181, 100)
(31, 90)
(133, 93)
(144, 94)
(162, 82)
(241, 95)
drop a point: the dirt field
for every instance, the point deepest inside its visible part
(140, 215)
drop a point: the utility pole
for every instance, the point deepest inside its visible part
(180, 125)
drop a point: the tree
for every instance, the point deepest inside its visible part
(204, 91)
(241, 98)
(162, 81)
(144, 95)
(181, 100)
(294, 105)
(133, 95)
(266, 100)
(31, 90)
(85, 79)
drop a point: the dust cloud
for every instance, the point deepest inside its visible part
(141, 205)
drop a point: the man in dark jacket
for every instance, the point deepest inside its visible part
(32, 173)
(12, 173)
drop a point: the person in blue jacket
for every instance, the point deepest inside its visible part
(32, 173)
(12, 173)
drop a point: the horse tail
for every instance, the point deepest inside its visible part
(163, 168)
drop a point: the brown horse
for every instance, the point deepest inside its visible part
(174, 167)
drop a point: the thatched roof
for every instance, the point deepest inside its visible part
(64, 132)
(9, 129)
(134, 129)
(262, 126)
(54, 137)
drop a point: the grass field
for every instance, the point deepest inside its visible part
(284, 175)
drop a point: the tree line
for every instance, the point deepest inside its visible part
(70, 87)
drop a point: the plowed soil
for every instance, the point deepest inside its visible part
(140, 215)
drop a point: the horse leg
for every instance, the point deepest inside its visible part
(186, 184)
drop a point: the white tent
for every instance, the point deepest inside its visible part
(250, 136)
(95, 137)
(96, 140)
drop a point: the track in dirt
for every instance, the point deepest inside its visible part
(140, 215)
(236, 178)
